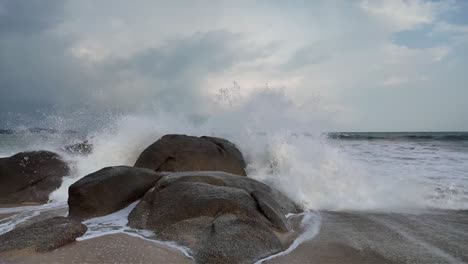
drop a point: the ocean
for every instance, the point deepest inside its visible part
(333, 171)
(384, 182)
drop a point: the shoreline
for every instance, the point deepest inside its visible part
(6, 215)
(439, 236)
(114, 248)
(434, 236)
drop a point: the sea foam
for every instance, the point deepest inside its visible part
(283, 147)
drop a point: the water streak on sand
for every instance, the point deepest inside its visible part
(24, 213)
(118, 223)
(412, 238)
(310, 225)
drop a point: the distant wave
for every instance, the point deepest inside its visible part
(441, 136)
(35, 130)
(6, 131)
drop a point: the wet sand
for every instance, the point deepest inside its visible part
(28, 213)
(6, 206)
(435, 237)
(344, 237)
(3, 216)
(116, 248)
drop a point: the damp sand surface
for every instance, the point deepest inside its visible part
(357, 237)
(439, 236)
(115, 248)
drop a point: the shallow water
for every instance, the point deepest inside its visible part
(318, 172)
(436, 236)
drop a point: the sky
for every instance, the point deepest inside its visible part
(365, 65)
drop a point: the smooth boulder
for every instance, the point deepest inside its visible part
(221, 217)
(31, 176)
(109, 190)
(177, 153)
(43, 236)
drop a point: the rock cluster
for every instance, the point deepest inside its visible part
(222, 217)
(192, 191)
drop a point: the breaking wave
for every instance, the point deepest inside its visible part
(283, 144)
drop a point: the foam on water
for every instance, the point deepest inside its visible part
(117, 222)
(268, 128)
(310, 225)
(23, 214)
(310, 170)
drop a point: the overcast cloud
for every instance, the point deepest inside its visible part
(380, 65)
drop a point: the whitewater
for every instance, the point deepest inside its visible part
(283, 148)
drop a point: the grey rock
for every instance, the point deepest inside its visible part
(188, 153)
(31, 176)
(43, 236)
(226, 179)
(221, 217)
(81, 148)
(270, 208)
(109, 190)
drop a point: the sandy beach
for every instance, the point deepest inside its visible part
(6, 206)
(3, 216)
(344, 237)
(116, 248)
(430, 237)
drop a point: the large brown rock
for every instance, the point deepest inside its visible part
(188, 153)
(221, 217)
(109, 190)
(43, 236)
(31, 176)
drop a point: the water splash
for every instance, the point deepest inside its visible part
(283, 147)
(310, 224)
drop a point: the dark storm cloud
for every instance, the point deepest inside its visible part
(200, 53)
(175, 70)
(38, 72)
(118, 56)
(36, 69)
(31, 16)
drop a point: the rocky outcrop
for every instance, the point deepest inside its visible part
(223, 218)
(43, 236)
(30, 176)
(81, 148)
(109, 190)
(191, 192)
(188, 153)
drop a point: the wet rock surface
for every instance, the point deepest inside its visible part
(192, 192)
(30, 176)
(81, 148)
(215, 215)
(43, 236)
(188, 153)
(109, 190)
